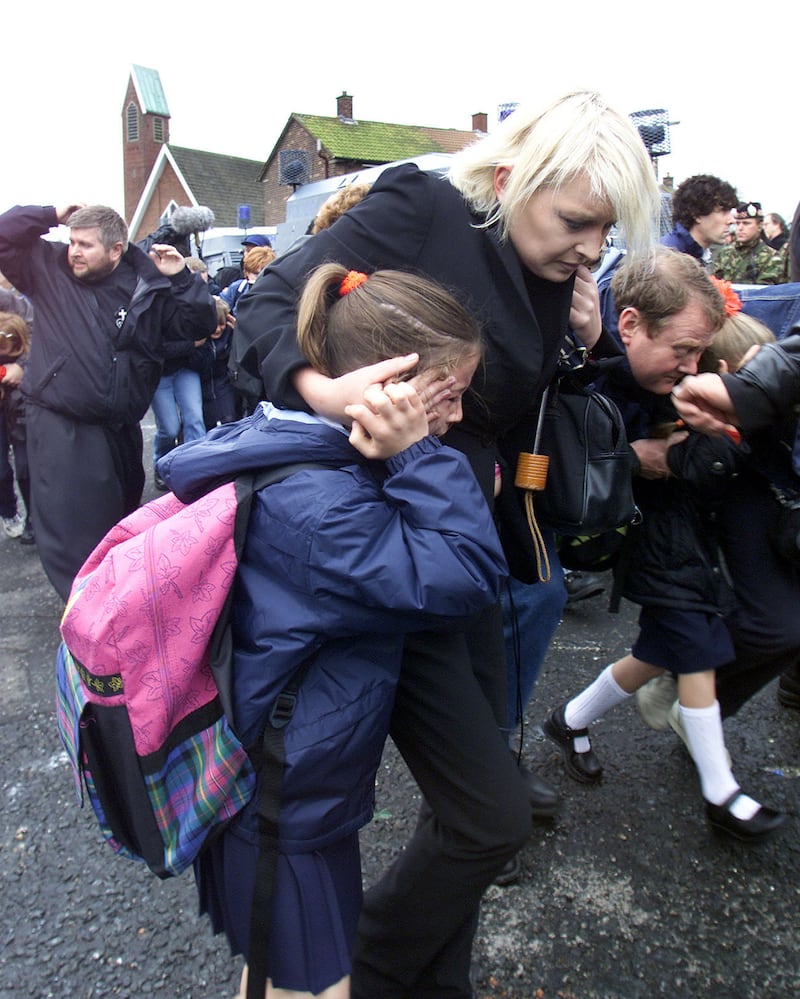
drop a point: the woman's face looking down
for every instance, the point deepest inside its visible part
(558, 229)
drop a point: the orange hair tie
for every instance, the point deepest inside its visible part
(733, 303)
(350, 281)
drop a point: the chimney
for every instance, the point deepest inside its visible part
(480, 122)
(344, 106)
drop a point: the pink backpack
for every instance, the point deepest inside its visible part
(139, 710)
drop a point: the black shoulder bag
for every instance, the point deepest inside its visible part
(578, 478)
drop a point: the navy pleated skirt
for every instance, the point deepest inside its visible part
(683, 641)
(316, 905)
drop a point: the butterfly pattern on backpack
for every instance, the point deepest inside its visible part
(138, 708)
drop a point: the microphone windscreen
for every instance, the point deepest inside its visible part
(188, 219)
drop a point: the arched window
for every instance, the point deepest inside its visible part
(132, 122)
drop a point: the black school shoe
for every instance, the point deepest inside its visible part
(509, 873)
(582, 585)
(747, 830)
(543, 796)
(789, 688)
(582, 767)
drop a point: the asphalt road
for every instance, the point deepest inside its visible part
(626, 895)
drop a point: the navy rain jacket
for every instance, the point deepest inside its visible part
(341, 561)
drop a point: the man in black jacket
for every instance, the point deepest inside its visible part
(103, 310)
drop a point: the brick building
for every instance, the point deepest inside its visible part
(310, 148)
(159, 174)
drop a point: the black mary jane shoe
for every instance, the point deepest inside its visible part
(761, 824)
(583, 767)
(543, 797)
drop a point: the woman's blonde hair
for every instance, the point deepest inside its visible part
(385, 314)
(579, 134)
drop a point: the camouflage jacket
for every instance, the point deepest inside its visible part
(750, 263)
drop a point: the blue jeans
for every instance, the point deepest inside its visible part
(776, 305)
(531, 614)
(178, 402)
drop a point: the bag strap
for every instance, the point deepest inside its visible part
(270, 758)
(220, 646)
(531, 477)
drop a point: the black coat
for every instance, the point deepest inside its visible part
(767, 390)
(674, 557)
(417, 221)
(80, 366)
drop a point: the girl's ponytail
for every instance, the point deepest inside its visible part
(347, 319)
(320, 294)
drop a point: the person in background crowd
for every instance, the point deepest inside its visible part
(249, 390)
(520, 220)
(336, 205)
(749, 260)
(104, 310)
(210, 361)
(230, 275)
(177, 402)
(776, 234)
(255, 259)
(198, 266)
(701, 214)
(14, 349)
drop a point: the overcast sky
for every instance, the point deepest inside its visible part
(232, 74)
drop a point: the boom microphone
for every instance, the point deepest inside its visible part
(186, 220)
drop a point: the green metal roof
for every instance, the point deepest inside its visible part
(149, 91)
(380, 141)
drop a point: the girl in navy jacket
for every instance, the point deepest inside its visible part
(340, 563)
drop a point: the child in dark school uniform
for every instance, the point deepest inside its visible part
(340, 563)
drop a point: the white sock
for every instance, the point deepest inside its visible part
(703, 727)
(592, 703)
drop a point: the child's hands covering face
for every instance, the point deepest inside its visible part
(391, 418)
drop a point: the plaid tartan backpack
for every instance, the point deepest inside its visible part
(145, 635)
